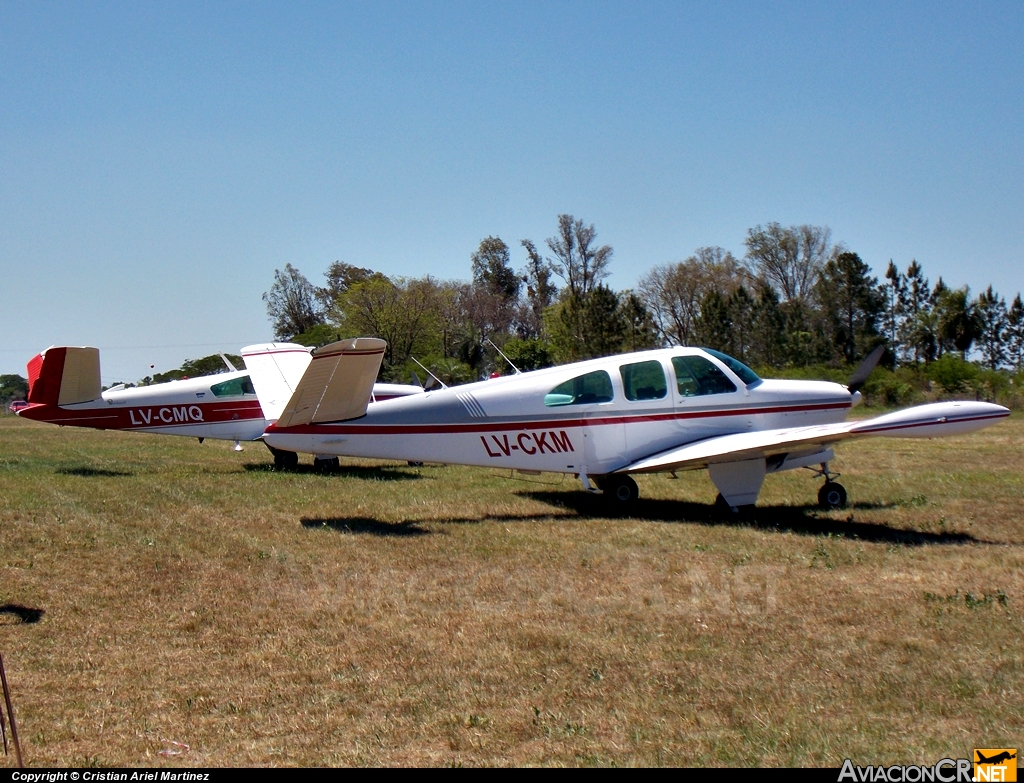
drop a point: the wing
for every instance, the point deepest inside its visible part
(337, 384)
(924, 421)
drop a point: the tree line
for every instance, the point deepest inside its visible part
(795, 299)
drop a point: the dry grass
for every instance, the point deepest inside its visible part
(394, 615)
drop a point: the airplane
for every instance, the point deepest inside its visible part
(996, 759)
(64, 389)
(605, 419)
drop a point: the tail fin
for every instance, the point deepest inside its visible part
(338, 383)
(64, 376)
(275, 370)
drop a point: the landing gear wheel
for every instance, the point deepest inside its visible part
(326, 464)
(832, 495)
(286, 460)
(621, 489)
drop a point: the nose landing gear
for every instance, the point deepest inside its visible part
(832, 494)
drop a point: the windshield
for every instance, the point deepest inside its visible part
(744, 373)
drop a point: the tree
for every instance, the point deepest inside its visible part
(292, 303)
(851, 304)
(12, 387)
(540, 292)
(895, 295)
(789, 259)
(641, 331)
(340, 277)
(400, 311)
(959, 321)
(1015, 333)
(496, 287)
(994, 323)
(673, 293)
(581, 265)
(914, 336)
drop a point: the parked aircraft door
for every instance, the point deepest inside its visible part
(707, 402)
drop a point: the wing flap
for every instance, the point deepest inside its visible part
(337, 384)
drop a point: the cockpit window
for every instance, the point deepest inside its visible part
(236, 387)
(743, 372)
(643, 381)
(696, 376)
(582, 390)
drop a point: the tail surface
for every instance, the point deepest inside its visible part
(275, 370)
(337, 384)
(63, 375)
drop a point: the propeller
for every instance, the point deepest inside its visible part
(415, 379)
(864, 369)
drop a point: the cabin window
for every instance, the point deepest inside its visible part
(643, 381)
(696, 376)
(236, 387)
(743, 372)
(582, 390)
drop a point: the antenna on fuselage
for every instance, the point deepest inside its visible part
(231, 367)
(503, 356)
(428, 372)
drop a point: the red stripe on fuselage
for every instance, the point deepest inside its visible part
(348, 428)
(141, 417)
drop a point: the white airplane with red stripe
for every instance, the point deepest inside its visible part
(64, 389)
(605, 419)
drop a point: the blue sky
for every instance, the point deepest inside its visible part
(158, 162)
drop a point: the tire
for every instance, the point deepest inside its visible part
(286, 460)
(326, 464)
(832, 495)
(620, 489)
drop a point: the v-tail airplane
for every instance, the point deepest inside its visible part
(65, 389)
(604, 420)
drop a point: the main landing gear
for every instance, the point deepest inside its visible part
(618, 487)
(832, 494)
(284, 460)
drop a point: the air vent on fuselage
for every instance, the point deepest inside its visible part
(473, 408)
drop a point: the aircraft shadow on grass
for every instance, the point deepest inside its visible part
(94, 472)
(23, 613)
(374, 473)
(802, 520)
(367, 526)
(410, 527)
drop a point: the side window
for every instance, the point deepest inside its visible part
(696, 376)
(643, 381)
(233, 388)
(584, 389)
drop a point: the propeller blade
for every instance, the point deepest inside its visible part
(864, 369)
(415, 380)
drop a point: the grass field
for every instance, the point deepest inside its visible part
(157, 591)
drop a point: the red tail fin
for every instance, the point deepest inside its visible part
(64, 376)
(44, 376)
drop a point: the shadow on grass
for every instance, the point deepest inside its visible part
(367, 526)
(23, 613)
(803, 520)
(382, 473)
(91, 472)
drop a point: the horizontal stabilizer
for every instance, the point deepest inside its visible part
(337, 384)
(63, 375)
(275, 370)
(924, 421)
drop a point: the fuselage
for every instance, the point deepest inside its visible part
(591, 417)
(223, 406)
